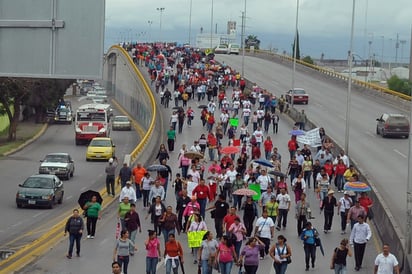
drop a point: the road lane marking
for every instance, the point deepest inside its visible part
(37, 215)
(370, 134)
(83, 188)
(69, 197)
(17, 224)
(400, 153)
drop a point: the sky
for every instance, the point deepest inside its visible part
(324, 25)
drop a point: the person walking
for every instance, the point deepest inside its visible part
(110, 176)
(202, 193)
(386, 262)
(328, 205)
(156, 211)
(344, 205)
(354, 212)
(284, 205)
(220, 210)
(125, 174)
(280, 253)
(93, 213)
(122, 250)
(360, 235)
(308, 236)
(132, 220)
(181, 203)
(128, 191)
(265, 230)
(152, 245)
(302, 209)
(338, 262)
(145, 187)
(195, 224)
(122, 209)
(239, 230)
(169, 223)
(225, 255)
(138, 172)
(74, 226)
(250, 212)
(207, 253)
(171, 138)
(249, 257)
(173, 254)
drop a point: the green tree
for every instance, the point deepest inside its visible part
(296, 40)
(400, 85)
(308, 60)
(252, 40)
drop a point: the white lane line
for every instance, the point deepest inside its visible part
(17, 224)
(400, 153)
(102, 242)
(370, 134)
(37, 215)
(69, 197)
(83, 188)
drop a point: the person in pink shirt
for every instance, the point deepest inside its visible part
(153, 255)
(226, 255)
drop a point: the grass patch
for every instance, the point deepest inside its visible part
(25, 131)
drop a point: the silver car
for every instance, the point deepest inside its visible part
(60, 164)
(121, 123)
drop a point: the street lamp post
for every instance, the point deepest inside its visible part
(383, 47)
(243, 39)
(349, 81)
(211, 27)
(160, 25)
(408, 236)
(190, 22)
(150, 30)
(294, 53)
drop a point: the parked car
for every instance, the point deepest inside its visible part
(393, 125)
(60, 164)
(100, 148)
(121, 123)
(221, 49)
(299, 96)
(43, 190)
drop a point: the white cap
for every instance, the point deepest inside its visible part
(111, 160)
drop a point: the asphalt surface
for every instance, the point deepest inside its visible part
(96, 254)
(382, 160)
(21, 226)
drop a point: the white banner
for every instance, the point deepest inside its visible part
(310, 138)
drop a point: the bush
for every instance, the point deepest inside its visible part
(308, 60)
(400, 85)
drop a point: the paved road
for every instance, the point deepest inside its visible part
(20, 226)
(97, 253)
(382, 160)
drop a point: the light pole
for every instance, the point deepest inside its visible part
(211, 27)
(294, 52)
(190, 22)
(243, 39)
(349, 81)
(161, 13)
(383, 46)
(369, 60)
(150, 30)
(409, 179)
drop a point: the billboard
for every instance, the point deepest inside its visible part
(52, 38)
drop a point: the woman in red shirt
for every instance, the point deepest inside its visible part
(366, 203)
(292, 146)
(268, 145)
(340, 169)
(328, 166)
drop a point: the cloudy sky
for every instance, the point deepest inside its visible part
(324, 25)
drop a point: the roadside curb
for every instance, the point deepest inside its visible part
(28, 142)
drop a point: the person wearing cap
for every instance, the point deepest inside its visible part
(125, 174)
(110, 177)
(328, 205)
(344, 205)
(354, 212)
(128, 191)
(152, 245)
(360, 235)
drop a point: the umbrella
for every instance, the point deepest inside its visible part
(244, 192)
(264, 162)
(297, 132)
(87, 196)
(193, 155)
(318, 242)
(357, 187)
(277, 173)
(202, 106)
(229, 150)
(156, 168)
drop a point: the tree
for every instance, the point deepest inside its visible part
(308, 60)
(297, 46)
(252, 40)
(400, 85)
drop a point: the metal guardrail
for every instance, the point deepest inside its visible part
(334, 74)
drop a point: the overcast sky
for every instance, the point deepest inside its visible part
(324, 25)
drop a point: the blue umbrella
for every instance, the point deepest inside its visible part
(264, 162)
(297, 132)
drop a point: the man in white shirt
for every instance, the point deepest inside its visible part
(258, 133)
(284, 205)
(265, 230)
(264, 180)
(190, 184)
(195, 147)
(128, 191)
(246, 115)
(344, 204)
(386, 263)
(360, 235)
(230, 177)
(156, 190)
(224, 119)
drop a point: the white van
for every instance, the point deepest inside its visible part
(234, 49)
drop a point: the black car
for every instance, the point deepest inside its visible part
(40, 190)
(393, 125)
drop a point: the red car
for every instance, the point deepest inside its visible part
(299, 96)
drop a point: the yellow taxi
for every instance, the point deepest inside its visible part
(100, 148)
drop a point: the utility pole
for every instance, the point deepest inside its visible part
(396, 48)
(408, 235)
